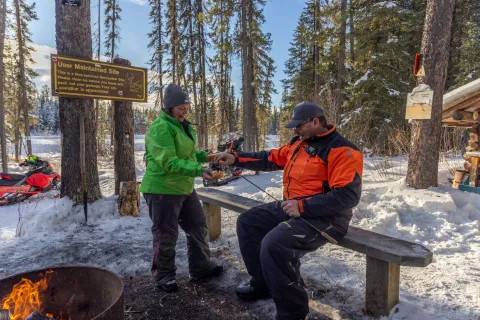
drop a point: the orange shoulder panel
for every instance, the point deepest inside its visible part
(343, 164)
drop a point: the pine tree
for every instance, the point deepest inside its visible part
(173, 45)
(112, 29)
(464, 61)
(24, 14)
(202, 74)
(254, 46)
(219, 17)
(157, 48)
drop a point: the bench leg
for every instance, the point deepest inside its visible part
(383, 286)
(214, 220)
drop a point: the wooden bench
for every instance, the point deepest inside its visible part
(384, 254)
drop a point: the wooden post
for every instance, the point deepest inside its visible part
(214, 220)
(83, 169)
(474, 172)
(383, 286)
(129, 199)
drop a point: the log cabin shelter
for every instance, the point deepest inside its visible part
(461, 106)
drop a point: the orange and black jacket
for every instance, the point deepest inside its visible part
(324, 173)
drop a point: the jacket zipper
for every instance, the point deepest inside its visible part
(294, 157)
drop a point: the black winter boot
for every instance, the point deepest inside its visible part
(250, 291)
(169, 286)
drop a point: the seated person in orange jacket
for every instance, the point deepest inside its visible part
(321, 184)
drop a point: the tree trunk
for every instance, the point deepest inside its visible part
(456, 39)
(129, 199)
(112, 106)
(160, 55)
(124, 158)
(352, 32)
(424, 154)
(3, 139)
(203, 117)
(74, 39)
(174, 52)
(317, 77)
(341, 62)
(18, 147)
(97, 109)
(192, 64)
(21, 62)
(247, 57)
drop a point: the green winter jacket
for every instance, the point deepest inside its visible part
(172, 157)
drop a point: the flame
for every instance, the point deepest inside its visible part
(24, 298)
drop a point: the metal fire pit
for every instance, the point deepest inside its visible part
(79, 292)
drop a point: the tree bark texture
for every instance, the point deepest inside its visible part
(247, 83)
(124, 158)
(3, 140)
(73, 38)
(192, 64)
(424, 154)
(21, 62)
(341, 61)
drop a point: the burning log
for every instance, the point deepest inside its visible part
(37, 316)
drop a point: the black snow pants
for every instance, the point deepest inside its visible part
(167, 213)
(272, 243)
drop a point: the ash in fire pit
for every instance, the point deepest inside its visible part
(63, 293)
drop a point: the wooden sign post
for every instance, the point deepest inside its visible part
(83, 169)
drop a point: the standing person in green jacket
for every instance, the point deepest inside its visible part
(173, 162)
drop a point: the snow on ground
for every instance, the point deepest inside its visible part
(445, 220)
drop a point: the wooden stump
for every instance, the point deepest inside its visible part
(129, 199)
(214, 220)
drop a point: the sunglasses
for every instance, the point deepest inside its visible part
(301, 124)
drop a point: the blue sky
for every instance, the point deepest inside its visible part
(281, 20)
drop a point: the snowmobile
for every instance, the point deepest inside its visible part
(230, 173)
(40, 178)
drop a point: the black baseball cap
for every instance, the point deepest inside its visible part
(303, 112)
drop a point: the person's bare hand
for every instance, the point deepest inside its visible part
(291, 208)
(211, 157)
(207, 174)
(224, 159)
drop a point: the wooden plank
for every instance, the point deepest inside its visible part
(452, 123)
(453, 104)
(382, 287)
(214, 220)
(473, 154)
(376, 245)
(226, 200)
(386, 248)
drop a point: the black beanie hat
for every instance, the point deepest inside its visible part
(174, 96)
